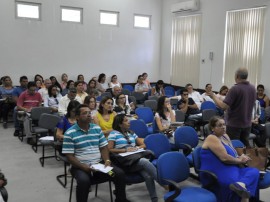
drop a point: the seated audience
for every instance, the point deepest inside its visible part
(222, 93)
(256, 127)
(56, 83)
(114, 82)
(66, 122)
(15, 94)
(27, 100)
(84, 144)
(116, 90)
(121, 106)
(205, 96)
(70, 84)
(164, 116)
(80, 77)
(195, 95)
(7, 103)
(64, 101)
(158, 89)
(102, 86)
(105, 115)
(91, 102)
(145, 80)
(80, 91)
(121, 140)
(44, 91)
(53, 98)
(237, 182)
(188, 106)
(263, 98)
(64, 80)
(92, 88)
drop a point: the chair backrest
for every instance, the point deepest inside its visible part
(237, 144)
(36, 112)
(138, 96)
(185, 135)
(180, 116)
(151, 104)
(174, 102)
(152, 97)
(267, 129)
(172, 166)
(267, 114)
(128, 87)
(262, 116)
(145, 113)
(48, 121)
(106, 94)
(157, 143)
(139, 127)
(133, 99)
(169, 91)
(206, 130)
(208, 105)
(126, 92)
(207, 114)
(196, 157)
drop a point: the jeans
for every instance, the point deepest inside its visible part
(239, 134)
(84, 182)
(149, 173)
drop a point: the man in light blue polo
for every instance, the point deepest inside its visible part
(84, 144)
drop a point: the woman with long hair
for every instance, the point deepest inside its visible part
(92, 103)
(53, 98)
(92, 88)
(158, 89)
(105, 115)
(64, 80)
(114, 82)
(121, 106)
(56, 83)
(70, 84)
(102, 86)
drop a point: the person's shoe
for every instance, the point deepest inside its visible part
(239, 190)
(31, 141)
(16, 133)
(5, 125)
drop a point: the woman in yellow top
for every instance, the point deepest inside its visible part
(105, 115)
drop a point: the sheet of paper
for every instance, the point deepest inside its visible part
(129, 153)
(51, 138)
(100, 167)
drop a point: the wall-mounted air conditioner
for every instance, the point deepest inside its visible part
(187, 5)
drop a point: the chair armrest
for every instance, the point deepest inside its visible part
(177, 190)
(187, 147)
(213, 180)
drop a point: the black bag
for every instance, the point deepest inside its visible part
(127, 162)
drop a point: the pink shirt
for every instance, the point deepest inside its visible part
(28, 101)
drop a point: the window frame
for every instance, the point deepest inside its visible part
(142, 15)
(71, 8)
(110, 12)
(31, 4)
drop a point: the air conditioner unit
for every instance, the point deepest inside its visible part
(188, 5)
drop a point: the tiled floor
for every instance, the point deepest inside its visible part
(29, 182)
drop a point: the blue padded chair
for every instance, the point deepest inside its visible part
(172, 168)
(157, 143)
(169, 91)
(186, 138)
(139, 127)
(208, 105)
(128, 87)
(146, 114)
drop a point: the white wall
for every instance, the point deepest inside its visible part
(48, 47)
(212, 39)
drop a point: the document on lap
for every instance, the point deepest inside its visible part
(129, 153)
(101, 167)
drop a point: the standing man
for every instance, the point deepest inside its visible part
(84, 145)
(239, 104)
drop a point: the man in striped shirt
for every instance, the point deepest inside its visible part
(84, 145)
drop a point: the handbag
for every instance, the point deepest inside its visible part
(127, 162)
(258, 155)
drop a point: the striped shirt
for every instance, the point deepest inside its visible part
(120, 141)
(84, 144)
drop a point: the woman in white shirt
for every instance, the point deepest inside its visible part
(114, 82)
(102, 86)
(53, 98)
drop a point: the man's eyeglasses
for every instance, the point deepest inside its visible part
(185, 94)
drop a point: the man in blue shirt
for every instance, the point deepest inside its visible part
(84, 145)
(16, 93)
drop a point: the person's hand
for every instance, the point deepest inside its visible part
(132, 149)
(244, 158)
(88, 168)
(107, 163)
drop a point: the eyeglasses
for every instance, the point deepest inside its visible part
(185, 94)
(86, 113)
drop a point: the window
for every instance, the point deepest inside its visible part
(243, 43)
(70, 14)
(109, 18)
(142, 21)
(185, 50)
(28, 10)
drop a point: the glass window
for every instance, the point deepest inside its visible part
(28, 10)
(142, 21)
(70, 14)
(109, 18)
